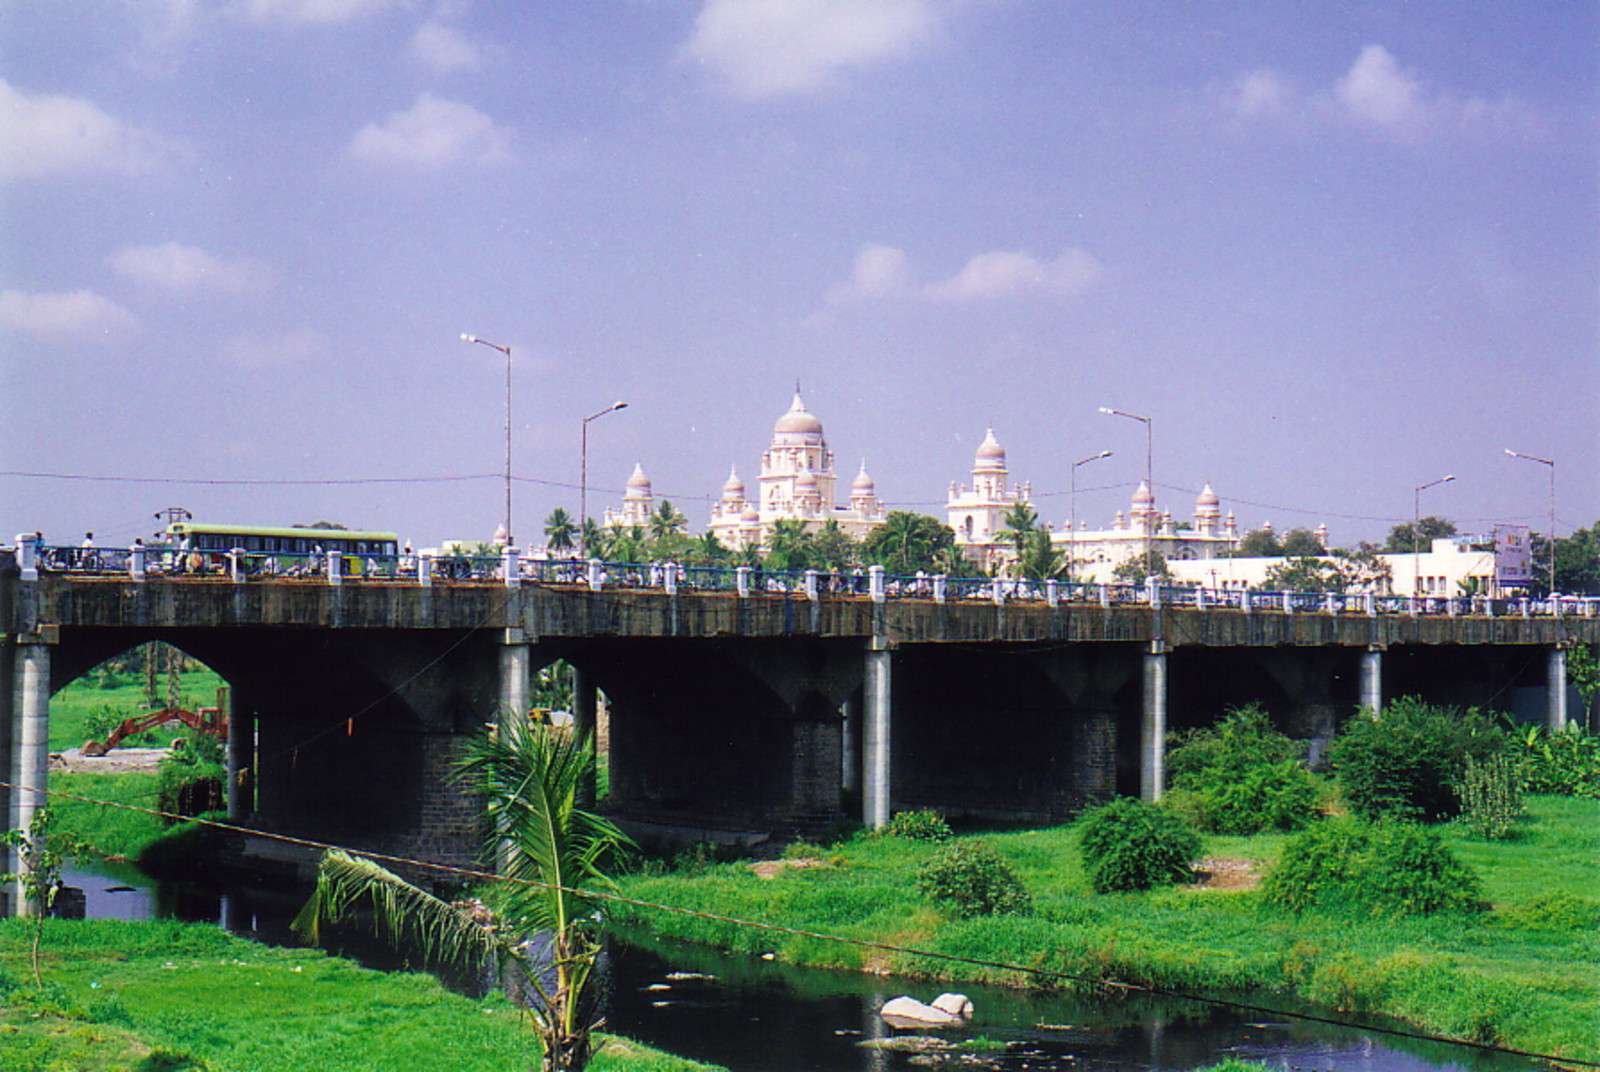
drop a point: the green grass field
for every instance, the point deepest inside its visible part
(173, 997)
(99, 694)
(1526, 974)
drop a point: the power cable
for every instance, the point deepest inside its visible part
(861, 943)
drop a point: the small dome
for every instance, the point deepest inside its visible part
(798, 421)
(806, 479)
(501, 537)
(1143, 496)
(734, 488)
(1208, 499)
(862, 482)
(750, 514)
(991, 455)
(638, 482)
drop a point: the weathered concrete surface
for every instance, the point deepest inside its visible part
(575, 612)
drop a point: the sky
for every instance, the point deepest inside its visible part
(1333, 252)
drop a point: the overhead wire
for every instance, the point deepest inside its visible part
(860, 943)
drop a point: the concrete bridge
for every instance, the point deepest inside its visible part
(740, 707)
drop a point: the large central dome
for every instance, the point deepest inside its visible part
(798, 421)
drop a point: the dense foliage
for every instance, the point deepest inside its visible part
(922, 825)
(1389, 867)
(1564, 763)
(1491, 796)
(1241, 776)
(1133, 845)
(1409, 760)
(973, 879)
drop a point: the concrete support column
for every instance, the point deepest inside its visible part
(240, 759)
(1555, 709)
(877, 781)
(1153, 727)
(1371, 698)
(30, 747)
(584, 710)
(850, 747)
(516, 676)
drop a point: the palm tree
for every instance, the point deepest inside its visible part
(1017, 529)
(790, 546)
(667, 520)
(560, 531)
(593, 539)
(544, 922)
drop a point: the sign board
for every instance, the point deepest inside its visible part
(1513, 556)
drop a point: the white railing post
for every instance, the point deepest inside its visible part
(28, 555)
(1105, 595)
(136, 568)
(596, 575)
(741, 581)
(1330, 603)
(940, 581)
(335, 567)
(425, 570)
(811, 586)
(1287, 601)
(511, 567)
(1369, 604)
(997, 591)
(236, 567)
(1200, 598)
(875, 585)
(1152, 588)
(1051, 596)
(670, 578)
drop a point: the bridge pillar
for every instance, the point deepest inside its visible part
(850, 746)
(1555, 716)
(241, 759)
(516, 676)
(30, 745)
(1371, 698)
(877, 780)
(1153, 728)
(585, 707)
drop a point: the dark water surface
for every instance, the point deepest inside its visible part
(750, 1015)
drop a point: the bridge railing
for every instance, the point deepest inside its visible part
(142, 562)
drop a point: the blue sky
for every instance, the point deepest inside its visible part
(1334, 251)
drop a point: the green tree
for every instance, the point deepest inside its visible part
(789, 547)
(1260, 543)
(1039, 560)
(1306, 574)
(1302, 543)
(560, 532)
(1018, 527)
(1409, 537)
(667, 521)
(593, 539)
(706, 550)
(544, 921)
(44, 851)
(1577, 562)
(1137, 570)
(907, 542)
(833, 549)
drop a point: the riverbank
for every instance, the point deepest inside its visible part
(1525, 974)
(169, 997)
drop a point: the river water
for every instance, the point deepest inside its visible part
(750, 1015)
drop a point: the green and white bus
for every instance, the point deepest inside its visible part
(281, 547)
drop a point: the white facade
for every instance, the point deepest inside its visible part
(638, 502)
(796, 483)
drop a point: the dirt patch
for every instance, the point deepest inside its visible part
(116, 761)
(1221, 873)
(774, 868)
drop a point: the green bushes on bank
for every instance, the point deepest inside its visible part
(1131, 845)
(973, 880)
(1409, 761)
(1391, 866)
(1241, 776)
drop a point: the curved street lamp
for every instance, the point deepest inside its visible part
(510, 540)
(1149, 480)
(1416, 530)
(583, 478)
(1551, 463)
(1072, 507)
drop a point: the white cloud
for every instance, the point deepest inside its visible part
(1007, 274)
(275, 351)
(882, 273)
(47, 135)
(78, 316)
(768, 48)
(307, 12)
(443, 48)
(434, 134)
(1375, 94)
(187, 269)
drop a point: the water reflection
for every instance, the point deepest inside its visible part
(750, 1015)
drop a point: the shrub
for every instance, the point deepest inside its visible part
(1131, 845)
(1565, 763)
(1241, 776)
(974, 880)
(1389, 867)
(1491, 797)
(192, 776)
(1409, 760)
(923, 825)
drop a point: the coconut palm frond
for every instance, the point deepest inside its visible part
(401, 912)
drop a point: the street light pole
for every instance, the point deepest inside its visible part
(1551, 463)
(583, 478)
(1072, 507)
(1416, 530)
(1149, 481)
(510, 540)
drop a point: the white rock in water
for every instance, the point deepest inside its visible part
(909, 1012)
(957, 1005)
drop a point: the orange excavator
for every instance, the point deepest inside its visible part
(206, 720)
